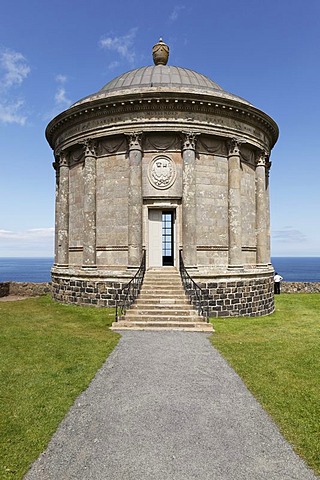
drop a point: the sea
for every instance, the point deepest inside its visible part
(292, 269)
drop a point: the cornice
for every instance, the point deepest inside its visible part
(171, 102)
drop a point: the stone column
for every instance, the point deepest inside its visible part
(62, 211)
(234, 205)
(261, 211)
(268, 233)
(189, 221)
(89, 205)
(135, 200)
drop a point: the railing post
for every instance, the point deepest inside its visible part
(131, 290)
(193, 290)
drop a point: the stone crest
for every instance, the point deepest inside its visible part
(162, 172)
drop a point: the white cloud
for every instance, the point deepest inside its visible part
(61, 78)
(176, 12)
(14, 69)
(289, 234)
(122, 45)
(60, 97)
(33, 242)
(11, 112)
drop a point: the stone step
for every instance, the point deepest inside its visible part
(167, 325)
(162, 296)
(161, 288)
(162, 302)
(161, 317)
(162, 309)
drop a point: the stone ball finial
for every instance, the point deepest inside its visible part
(160, 53)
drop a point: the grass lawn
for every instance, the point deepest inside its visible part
(278, 357)
(48, 354)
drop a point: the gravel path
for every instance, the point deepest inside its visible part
(166, 406)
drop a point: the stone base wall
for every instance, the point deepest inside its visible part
(83, 291)
(242, 298)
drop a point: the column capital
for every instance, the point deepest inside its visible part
(262, 159)
(189, 140)
(61, 159)
(134, 140)
(234, 145)
(89, 147)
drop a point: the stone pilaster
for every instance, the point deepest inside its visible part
(234, 204)
(268, 166)
(261, 211)
(135, 200)
(89, 205)
(62, 211)
(189, 221)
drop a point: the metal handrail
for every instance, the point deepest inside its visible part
(193, 290)
(131, 290)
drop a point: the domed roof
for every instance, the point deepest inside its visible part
(161, 78)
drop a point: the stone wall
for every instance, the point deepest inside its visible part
(24, 289)
(4, 289)
(239, 298)
(300, 287)
(85, 291)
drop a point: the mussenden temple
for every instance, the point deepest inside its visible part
(158, 172)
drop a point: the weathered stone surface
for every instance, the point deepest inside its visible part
(181, 147)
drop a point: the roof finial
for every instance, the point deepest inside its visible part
(160, 53)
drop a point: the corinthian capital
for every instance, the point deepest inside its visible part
(234, 145)
(134, 140)
(90, 147)
(262, 159)
(189, 140)
(61, 159)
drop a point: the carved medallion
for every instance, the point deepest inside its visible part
(162, 172)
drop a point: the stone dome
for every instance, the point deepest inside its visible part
(161, 78)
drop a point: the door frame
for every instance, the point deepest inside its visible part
(163, 204)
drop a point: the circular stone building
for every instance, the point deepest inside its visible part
(162, 159)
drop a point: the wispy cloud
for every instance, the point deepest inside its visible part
(14, 69)
(176, 12)
(289, 234)
(123, 46)
(33, 242)
(60, 97)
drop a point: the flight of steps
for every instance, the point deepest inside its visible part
(162, 305)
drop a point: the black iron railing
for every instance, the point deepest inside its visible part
(196, 294)
(131, 290)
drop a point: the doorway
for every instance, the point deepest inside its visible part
(161, 237)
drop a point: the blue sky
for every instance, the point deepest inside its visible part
(54, 53)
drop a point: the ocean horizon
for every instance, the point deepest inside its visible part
(37, 269)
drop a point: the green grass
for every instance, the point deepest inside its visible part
(48, 354)
(278, 357)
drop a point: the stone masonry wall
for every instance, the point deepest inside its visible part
(4, 289)
(243, 298)
(85, 291)
(300, 287)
